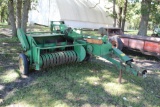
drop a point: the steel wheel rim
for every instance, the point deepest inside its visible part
(21, 65)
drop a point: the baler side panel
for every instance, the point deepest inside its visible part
(23, 39)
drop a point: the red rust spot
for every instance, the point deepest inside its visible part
(152, 47)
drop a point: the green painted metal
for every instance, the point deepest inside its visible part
(66, 45)
(80, 51)
(67, 57)
(89, 49)
(53, 59)
(101, 49)
(58, 58)
(23, 39)
(121, 55)
(131, 68)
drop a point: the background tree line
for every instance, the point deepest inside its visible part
(136, 12)
(15, 12)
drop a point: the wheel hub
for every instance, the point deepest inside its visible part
(21, 65)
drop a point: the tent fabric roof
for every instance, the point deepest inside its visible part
(74, 12)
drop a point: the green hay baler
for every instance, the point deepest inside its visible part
(67, 45)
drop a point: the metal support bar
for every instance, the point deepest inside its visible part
(60, 46)
(123, 66)
(121, 55)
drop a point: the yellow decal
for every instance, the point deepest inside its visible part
(122, 54)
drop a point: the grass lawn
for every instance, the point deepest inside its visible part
(134, 32)
(80, 84)
(86, 84)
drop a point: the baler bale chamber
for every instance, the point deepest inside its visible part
(67, 45)
(46, 49)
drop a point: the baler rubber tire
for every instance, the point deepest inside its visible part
(25, 65)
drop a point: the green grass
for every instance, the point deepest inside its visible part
(83, 84)
(92, 33)
(135, 32)
(4, 25)
(5, 39)
(131, 32)
(93, 83)
(37, 28)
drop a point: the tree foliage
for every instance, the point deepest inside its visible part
(119, 14)
(149, 12)
(136, 12)
(132, 11)
(155, 13)
(3, 11)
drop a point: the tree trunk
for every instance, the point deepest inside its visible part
(8, 21)
(19, 13)
(145, 10)
(124, 14)
(114, 13)
(1, 16)
(119, 17)
(26, 7)
(11, 17)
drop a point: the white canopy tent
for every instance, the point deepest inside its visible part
(75, 13)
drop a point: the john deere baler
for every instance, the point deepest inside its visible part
(67, 45)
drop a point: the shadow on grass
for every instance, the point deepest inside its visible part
(146, 61)
(140, 55)
(9, 50)
(82, 84)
